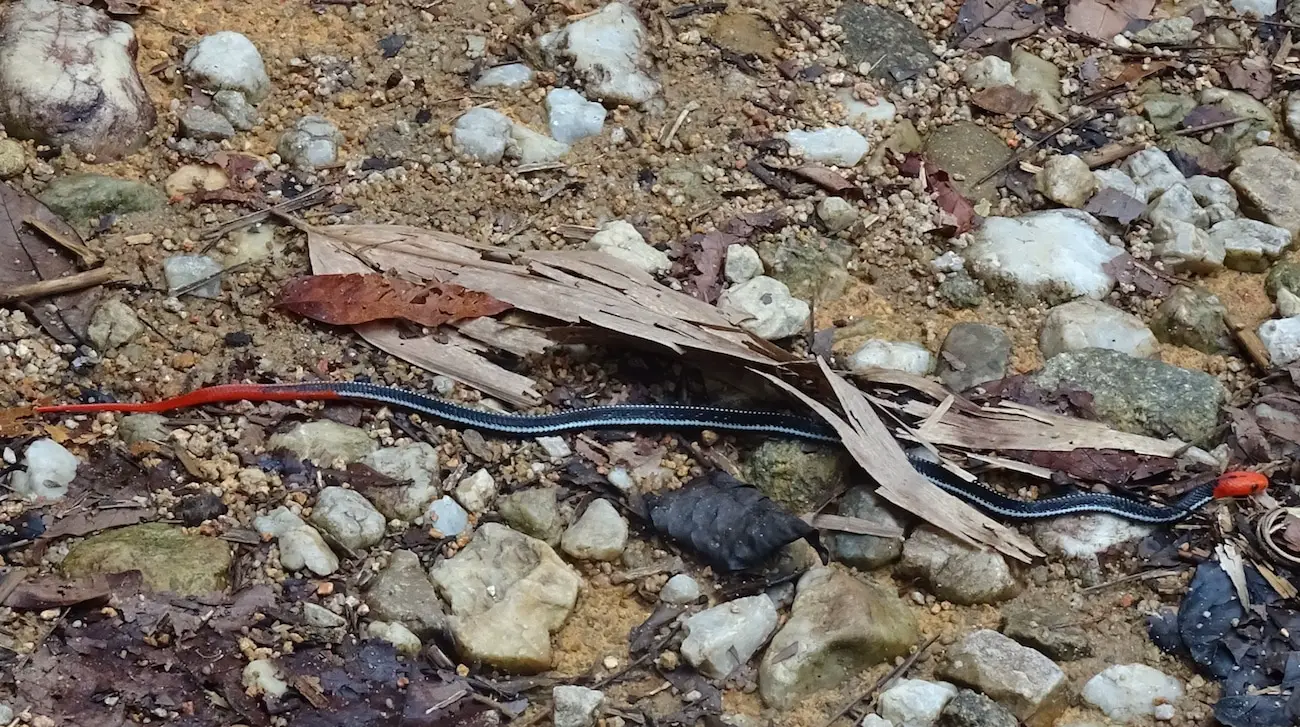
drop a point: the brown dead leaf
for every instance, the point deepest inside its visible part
(348, 300)
(28, 256)
(1104, 19)
(707, 253)
(1116, 205)
(1251, 75)
(1128, 271)
(85, 522)
(958, 214)
(1003, 100)
(56, 592)
(829, 180)
(985, 22)
(11, 420)
(1109, 466)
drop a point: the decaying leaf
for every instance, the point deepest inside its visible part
(828, 179)
(348, 300)
(85, 522)
(708, 252)
(28, 256)
(55, 592)
(1128, 271)
(1116, 205)
(11, 420)
(958, 214)
(1003, 100)
(1109, 466)
(1104, 19)
(985, 22)
(1251, 75)
(729, 524)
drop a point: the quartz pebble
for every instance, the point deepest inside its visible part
(482, 134)
(600, 534)
(227, 60)
(841, 146)
(742, 264)
(446, 516)
(197, 275)
(681, 589)
(894, 355)
(765, 308)
(47, 470)
(621, 240)
(510, 75)
(571, 117)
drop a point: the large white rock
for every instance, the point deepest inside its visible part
(482, 134)
(1281, 337)
(767, 308)
(1054, 255)
(723, 637)
(227, 60)
(1131, 692)
(895, 355)
(606, 50)
(1152, 171)
(914, 702)
(47, 471)
(1088, 323)
(621, 240)
(1250, 245)
(839, 145)
(68, 78)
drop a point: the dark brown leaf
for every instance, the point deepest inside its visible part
(12, 418)
(707, 253)
(1109, 466)
(85, 522)
(828, 179)
(1128, 271)
(1248, 435)
(1116, 205)
(353, 299)
(985, 22)
(1104, 19)
(958, 213)
(55, 592)
(1206, 116)
(28, 256)
(1003, 100)
(1251, 75)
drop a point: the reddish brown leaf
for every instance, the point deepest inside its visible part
(1003, 100)
(1128, 271)
(958, 214)
(348, 300)
(828, 179)
(1110, 466)
(1251, 75)
(55, 592)
(11, 420)
(1104, 19)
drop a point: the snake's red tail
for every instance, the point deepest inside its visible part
(208, 395)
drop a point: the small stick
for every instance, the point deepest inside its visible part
(884, 681)
(1249, 341)
(56, 286)
(1110, 153)
(1192, 130)
(667, 138)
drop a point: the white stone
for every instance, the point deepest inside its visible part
(407, 643)
(1163, 712)
(988, 72)
(47, 470)
(1056, 254)
(606, 49)
(300, 545)
(511, 75)
(446, 516)
(1130, 692)
(765, 308)
(837, 214)
(1288, 303)
(742, 264)
(723, 637)
(949, 262)
(348, 517)
(264, 677)
(914, 702)
(895, 355)
(621, 240)
(1250, 245)
(416, 463)
(184, 271)
(1066, 180)
(482, 134)
(600, 534)
(875, 720)
(68, 78)
(555, 447)
(312, 142)
(571, 117)
(1258, 8)
(878, 112)
(227, 60)
(1088, 323)
(1082, 538)
(575, 706)
(1281, 338)
(1176, 204)
(1120, 182)
(1213, 190)
(314, 614)
(1187, 248)
(530, 147)
(680, 590)
(1152, 171)
(841, 146)
(476, 492)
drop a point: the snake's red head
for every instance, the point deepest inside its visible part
(1240, 483)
